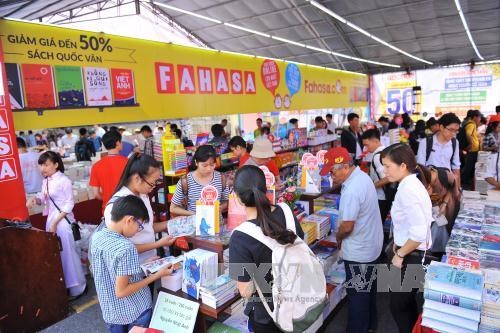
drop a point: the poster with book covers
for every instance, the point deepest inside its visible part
(15, 86)
(123, 86)
(69, 84)
(39, 86)
(98, 86)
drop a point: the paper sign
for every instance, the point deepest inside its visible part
(174, 314)
(209, 194)
(321, 156)
(311, 162)
(303, 160)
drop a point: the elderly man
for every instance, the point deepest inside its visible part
(359, 236)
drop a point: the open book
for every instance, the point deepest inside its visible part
(154, 266)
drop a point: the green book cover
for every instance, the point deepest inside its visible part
(69, 83)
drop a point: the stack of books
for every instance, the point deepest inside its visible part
(310, 234)
(490, 312)
(327, 255)
(453, 298)
(332, 213)
(199, 269)
(323, 225)
(481, 185)
(218, 292)
(489, 247)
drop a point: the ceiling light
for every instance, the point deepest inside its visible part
(284, 40)
(364, 32)
(187, 12)
(462, 17)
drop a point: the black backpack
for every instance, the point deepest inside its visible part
(430, 142)
(463, 141)
(82, 150)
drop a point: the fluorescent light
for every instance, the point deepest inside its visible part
(462, 17)
(247, 30)
(187, 12)
(284, 40)
(364, 32)
(318, 49)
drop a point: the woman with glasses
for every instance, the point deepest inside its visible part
(201, 173)
(411, 214)
(139, 178)
(442, 149)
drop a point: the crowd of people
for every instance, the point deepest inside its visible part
(415, 183)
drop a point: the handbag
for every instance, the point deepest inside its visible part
(75, 228)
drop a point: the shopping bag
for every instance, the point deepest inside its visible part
(236, 212)
(207, 219)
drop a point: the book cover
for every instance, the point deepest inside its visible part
(200, 267)
(452, 289)
(15, 86)
(154, 266)
(453, 275)
(454, 300)
(123, 86)
(181, 226)
(39, 86)
(451, 319)
(207, 219)
(69, 83)
(469, 314)
(98, 86)
(443, 327)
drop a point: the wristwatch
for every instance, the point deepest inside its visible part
(397, 253)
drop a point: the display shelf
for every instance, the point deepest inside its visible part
(290, 149)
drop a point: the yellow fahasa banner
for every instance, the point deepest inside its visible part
(65, 77)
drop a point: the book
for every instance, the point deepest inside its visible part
(453, 290)
(123, 86)
(214, 302)
(39, 86)
(69, 84)
(221, 283)
(15, 86)
(98, 86)
(443, 327)
(154, 266)
(460, 322)
(442, 272)
(181, 226)
(199, 268)
(469, 314)
(455, 300)
(463, 262)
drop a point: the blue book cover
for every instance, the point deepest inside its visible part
(453, 275)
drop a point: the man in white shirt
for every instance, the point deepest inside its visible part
(69, 140)
(331, 124)
(442, 149)
(99, 131)
(359, 237)
(32, 177)
(371, 140)
(492, 176)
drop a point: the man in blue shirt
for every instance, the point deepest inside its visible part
(123, 293)
(359, 237)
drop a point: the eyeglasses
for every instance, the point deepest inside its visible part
(156, 183)
(141, 225)
(336, 167)
(453, 130)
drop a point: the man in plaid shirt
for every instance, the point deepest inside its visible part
(122, 291)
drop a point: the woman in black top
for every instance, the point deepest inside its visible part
(249, 259)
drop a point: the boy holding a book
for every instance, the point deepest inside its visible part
(122, 291)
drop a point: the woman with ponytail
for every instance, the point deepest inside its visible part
(411, 218)
(139, 178)
(201, 173)
(246, 254)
